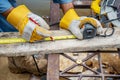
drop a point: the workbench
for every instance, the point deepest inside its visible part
(58, 46)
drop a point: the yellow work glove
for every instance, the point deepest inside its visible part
(30, 26)
(95, 6)
(71, 21)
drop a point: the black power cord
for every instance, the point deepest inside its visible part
(36, 64)
(105, 33)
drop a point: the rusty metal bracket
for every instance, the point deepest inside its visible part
(98, 74)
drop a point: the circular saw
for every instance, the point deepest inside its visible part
(111, 8)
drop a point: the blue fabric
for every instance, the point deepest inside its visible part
(6, 4)
(13, 3)
(62, 1)
(4, 25)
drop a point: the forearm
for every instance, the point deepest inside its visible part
(66, 7)
(6, 13)
(64, 4)
(6, 6)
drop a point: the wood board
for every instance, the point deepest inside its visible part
(59, 46)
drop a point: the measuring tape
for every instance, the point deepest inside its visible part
(21, 40)
(12, 40)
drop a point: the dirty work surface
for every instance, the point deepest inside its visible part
(5, 74)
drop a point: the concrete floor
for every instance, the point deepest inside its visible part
(5, 74)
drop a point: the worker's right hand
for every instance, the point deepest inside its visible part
(71, 21)
(30, 26)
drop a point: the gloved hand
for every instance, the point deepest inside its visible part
(71, 21)
(30, 26)
(95, 6)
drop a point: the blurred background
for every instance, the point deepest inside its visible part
(40, 7)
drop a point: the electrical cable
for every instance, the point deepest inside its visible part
(36, 64)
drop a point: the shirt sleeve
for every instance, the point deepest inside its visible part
(62, 1)
(13, 3)
(6, 4)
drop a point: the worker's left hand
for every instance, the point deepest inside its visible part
(71, 21)
(31, 27)
(39, 20)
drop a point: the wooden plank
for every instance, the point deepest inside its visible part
(60, 46)
(16, 34)
(53, 67)
(54, 15)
